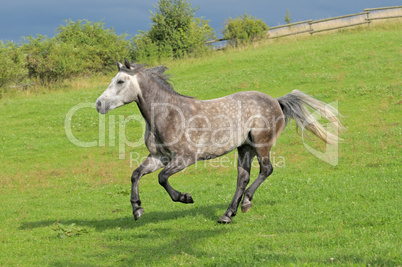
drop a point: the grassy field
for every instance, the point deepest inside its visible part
(68, 205)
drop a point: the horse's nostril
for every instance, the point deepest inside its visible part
(101, 106)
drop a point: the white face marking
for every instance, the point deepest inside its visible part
(123, 89)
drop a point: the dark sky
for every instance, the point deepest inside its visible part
(30, 17)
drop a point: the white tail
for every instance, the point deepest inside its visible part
(294, 105)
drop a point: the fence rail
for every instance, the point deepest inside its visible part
(312, 26)
(291, 24)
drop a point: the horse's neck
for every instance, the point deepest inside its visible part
(155, 98)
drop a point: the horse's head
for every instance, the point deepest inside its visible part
(123, 89)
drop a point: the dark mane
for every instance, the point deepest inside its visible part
(156, 74)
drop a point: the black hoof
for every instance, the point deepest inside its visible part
(246, 206)
(224, 220)
(186, 198)
(138, 212)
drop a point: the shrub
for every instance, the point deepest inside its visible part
(244, 29)
(12, 64)
(50, 61)
(99, 47)
(81, 47)
(175, 33)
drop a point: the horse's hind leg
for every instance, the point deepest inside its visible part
(245, 158)
(150, 164)
(265, 170)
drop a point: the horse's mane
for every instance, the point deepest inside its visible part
(157, 74)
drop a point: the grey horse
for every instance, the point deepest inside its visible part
(182, 130)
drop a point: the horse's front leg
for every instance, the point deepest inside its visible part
(175, 165)
(150, 164)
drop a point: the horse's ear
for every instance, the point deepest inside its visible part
(127, 64)
(119, 65)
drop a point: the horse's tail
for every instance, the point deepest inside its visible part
(295, 105)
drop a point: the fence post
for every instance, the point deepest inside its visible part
(310, 23)
(368, 17)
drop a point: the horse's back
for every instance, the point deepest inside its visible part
(249, 103)
(220, 125)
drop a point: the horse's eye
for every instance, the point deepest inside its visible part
(120, 82)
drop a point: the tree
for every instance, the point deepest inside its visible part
(288, 19)
(174, 33)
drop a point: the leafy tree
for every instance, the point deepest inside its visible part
(174, 32)
(288, 20)
(244, 29)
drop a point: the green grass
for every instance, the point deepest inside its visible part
(62, 204)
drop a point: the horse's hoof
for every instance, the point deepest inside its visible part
(138, 212)
(246, 206)
(224, 220)
(186, 198)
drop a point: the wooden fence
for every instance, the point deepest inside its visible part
(316, 26)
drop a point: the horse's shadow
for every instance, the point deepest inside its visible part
(186, 237)
(207, 212)
(176, 237)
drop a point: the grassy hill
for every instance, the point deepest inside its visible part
(63, 204)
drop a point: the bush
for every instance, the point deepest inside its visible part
(244, 29)
(12, 64)
(49, 61)
(80, 47)
(175, 33)
(99, 47)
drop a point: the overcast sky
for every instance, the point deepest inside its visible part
(30, 17)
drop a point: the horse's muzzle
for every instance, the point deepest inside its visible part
(101, 107)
